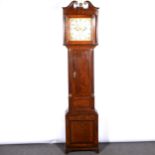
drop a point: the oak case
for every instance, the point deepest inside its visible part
(81, 118)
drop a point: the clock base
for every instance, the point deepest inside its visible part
(82, 131)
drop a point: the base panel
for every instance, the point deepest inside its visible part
(82, 131)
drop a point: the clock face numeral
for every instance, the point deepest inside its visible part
(80, 29)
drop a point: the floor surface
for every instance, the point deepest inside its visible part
(139, 148)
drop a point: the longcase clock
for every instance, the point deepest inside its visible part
(80, 37)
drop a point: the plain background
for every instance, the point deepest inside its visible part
(33, 71)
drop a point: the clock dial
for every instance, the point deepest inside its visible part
(80, 29)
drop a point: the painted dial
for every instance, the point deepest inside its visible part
(80, 29)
